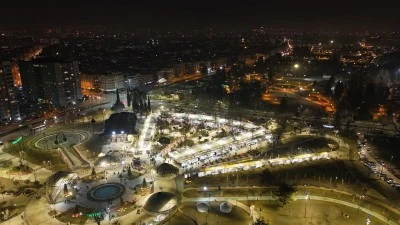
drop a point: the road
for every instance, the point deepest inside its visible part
(85, 106)
(382, 167)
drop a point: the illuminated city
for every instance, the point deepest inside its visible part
(147, 113)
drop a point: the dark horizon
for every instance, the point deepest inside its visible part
(380, 16)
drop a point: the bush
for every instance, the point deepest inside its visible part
(203, 141)
(36, 183)
(189, 142)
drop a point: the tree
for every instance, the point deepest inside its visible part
(339, 89)
(203, 69)
(129, 171)
(314, 83)
(284, 193)
(260, 221)
(271, 73)
(65, 189)
(266, 177)
(329, 85)
(128, 98)
(76, 209)
(144, 184)
(121, 201)
(93, 172)
(93, 121)
(116, 222)
(283, 104)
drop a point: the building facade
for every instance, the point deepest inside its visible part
(111, 82)
(90, 81)
(56, 82)
(9, 107)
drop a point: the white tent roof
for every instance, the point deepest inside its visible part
(225, 207)
(202, 207)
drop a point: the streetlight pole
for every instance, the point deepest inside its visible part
(368, 220)
(305, 205)
(391, 160)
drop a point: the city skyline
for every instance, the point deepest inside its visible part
(177, 14)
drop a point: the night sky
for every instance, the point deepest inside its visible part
(381, 15)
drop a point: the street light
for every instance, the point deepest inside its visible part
(296, 66)
(305, 206)
(391, 160)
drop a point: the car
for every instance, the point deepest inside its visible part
(187, 181)
(390, 181)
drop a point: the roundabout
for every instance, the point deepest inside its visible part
(55, 140)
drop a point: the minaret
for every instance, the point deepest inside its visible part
(118, 105)
(118, 100)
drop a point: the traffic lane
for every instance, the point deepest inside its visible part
(381, 168)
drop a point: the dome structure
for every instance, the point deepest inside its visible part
(167, 170)
(55, 183)
(160, 202)
(202, 207)
(225, 207)
(164, 140)
(118, 106)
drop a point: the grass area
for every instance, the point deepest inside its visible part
(5, 163)
(228, 192)
(353, 154)
(316, 173)
(23, 169)
(297, 138)
(370, 203)
(190, 216)
(386, 148)
(304, 144)
(94, 145)
(38, 156)
(312, 212)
